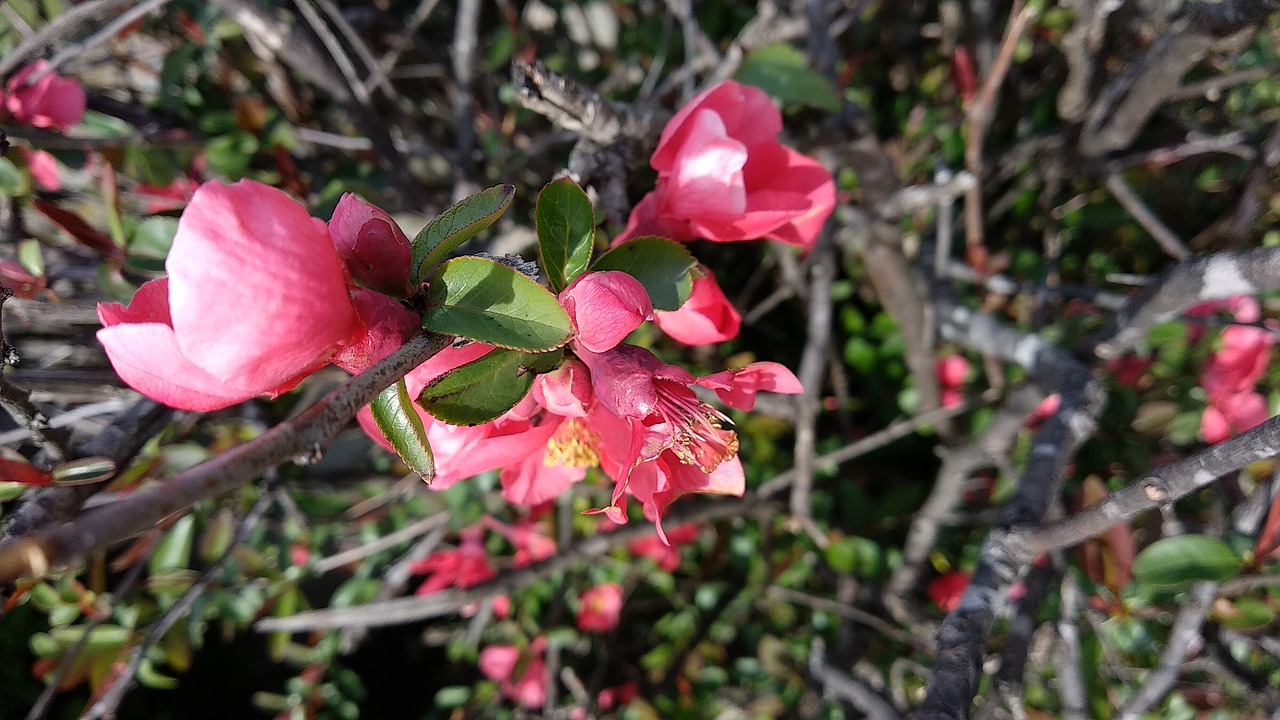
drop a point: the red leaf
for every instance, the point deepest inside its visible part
(95, 240)
(1269, 537)
(21, 472)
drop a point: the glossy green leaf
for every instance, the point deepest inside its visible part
(783, 71)
(85, 471)
(481, 390)
(486, 301)
(663, 266)
(566, 227)
(457, 225)
(1176, 562)
(395, 416)
(1244, 614)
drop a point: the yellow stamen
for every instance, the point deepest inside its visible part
(573, 445)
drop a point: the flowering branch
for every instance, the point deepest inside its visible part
(37, 553)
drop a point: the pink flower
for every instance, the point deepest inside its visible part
(599, 608)
(531, 544)
(1231, 415)
(946, 590)
(466, 566)
(518, 443)
(255, 300)
(952, 371)
(52, 102)
(174, 196)
(665, 555)
(616, 697)
(1237, 367)
(657, 440)
(500, 664)
(374, 248)
(706, 317)
(723, 175)
(1229, 378)
(605, 307)
(44, 169)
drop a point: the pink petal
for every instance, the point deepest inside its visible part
(256, 291)
(44, 168)
(749, 116)
(952, 370)
(738, 388)
(150, 304)
(645, 220)
(384, 326)
(706, 317)
(51, 102)
(498, 662)
(146, 356)
(605, 308)
(532, 482)
(565, 391)
(372, 245)
(599, 608)
(706, 179)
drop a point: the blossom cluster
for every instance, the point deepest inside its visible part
(1233, 370)
(38, 97)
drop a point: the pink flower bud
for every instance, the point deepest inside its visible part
(375, 250)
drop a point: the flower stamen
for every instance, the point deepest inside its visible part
(573, 445)
(698, 436)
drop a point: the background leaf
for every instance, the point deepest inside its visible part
(1176, 562)
(783, 71)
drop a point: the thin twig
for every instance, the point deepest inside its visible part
(66, 24)
(1164, 237)
(1186, 630)
(105, 34)
(386, 542)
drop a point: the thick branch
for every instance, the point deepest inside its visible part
(38, 553)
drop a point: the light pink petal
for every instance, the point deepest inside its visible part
(565, 391)
(256, 290)
(952, 370)
(749, 116)
(605, 308)
(706, 317)
(530, 691)
(150, 304)
(780, 178)
(374, 248)
(384, 326)
(147, 358)
(498, 662)
(738, 388)
(532, 482)
(706, 179)
(51, 102)
(44, 168)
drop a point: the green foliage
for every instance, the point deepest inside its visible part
(486, 301)
(466, 219)
(394, 414)
(566, 227)
(662, 266)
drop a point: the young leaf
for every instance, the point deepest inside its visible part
(481, 390)
(1176, 562)
(457, 225)
(663, 266)
(396, 418)
(486, 301)
(566, 226)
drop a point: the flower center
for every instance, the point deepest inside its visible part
(573, 445)
(697, 436)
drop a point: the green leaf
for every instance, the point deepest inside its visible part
(1176, 562)
(782, 71)
(1244, 614)
(395, 416)
(663, 266)
(153, 237)
(174, 550)
(566, 226)
(85, 471)
(457, 225)
(486, 301)
(481, 390)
